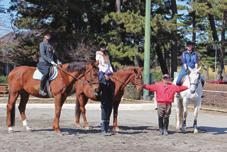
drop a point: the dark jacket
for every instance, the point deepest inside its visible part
(46, 56)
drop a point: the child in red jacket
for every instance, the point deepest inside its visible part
(165, 92)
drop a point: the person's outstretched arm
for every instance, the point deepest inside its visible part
(151, 87)
(180, 88)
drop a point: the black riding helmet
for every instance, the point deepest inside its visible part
(102, 47)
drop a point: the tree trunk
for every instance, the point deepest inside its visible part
(222, 49)
(174, 48)
(193, 26)
(220, 54)
(161, 59)
(118, 6)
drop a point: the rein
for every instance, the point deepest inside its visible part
(124, 84)
(79, 78)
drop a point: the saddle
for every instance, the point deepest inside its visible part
(37, 75)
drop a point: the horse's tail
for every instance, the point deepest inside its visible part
(181, 109)
(12, 112)
(13, 115)
(77, 108)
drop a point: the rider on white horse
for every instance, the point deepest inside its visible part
(189, 59)
(194, 93)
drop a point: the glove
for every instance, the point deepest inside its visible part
(53, 63)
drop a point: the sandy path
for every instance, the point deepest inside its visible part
(138, 133)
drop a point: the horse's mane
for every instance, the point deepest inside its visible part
(76, 66)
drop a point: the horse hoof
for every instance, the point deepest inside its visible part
(10, 130)
(196, 131)
(183, 130)
(78, 125)
(28, 128)
(86, 127)
(59, 134)
(57, 131)
(116, 129)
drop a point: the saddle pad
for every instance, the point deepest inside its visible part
(38, 75)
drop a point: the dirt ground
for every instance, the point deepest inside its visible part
(215, 99)
(138, 133)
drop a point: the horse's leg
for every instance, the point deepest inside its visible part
(11, 110)
(77, 114)
(115, 114)
(22, 107)
(197, 105)
(83, 101)
(58, 106)
(177, 104)
(185, 113)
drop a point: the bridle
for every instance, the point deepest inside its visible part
(196, 84)
(135, 82)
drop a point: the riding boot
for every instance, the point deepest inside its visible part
(160, 124)
(166, 125)
(42, 85)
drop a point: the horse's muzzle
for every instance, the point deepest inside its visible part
(192, 91)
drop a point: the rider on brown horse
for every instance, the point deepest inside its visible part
(47, 58)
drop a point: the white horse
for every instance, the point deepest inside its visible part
(194, 93)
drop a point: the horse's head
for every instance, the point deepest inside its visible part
(137, 78)
(194, 79)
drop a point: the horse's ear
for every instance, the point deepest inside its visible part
(135, 70)
(140, 68)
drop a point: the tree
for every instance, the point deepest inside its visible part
(213, 10)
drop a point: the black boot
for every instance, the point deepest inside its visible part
(166, 125)
(160, 124)
(42, 86)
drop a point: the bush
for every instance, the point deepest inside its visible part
(156, 76)
(3, 79)
(131, 92)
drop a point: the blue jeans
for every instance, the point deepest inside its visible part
(182, 73)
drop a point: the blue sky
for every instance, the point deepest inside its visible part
(5, 25)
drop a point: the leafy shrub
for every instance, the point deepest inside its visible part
(3, 79)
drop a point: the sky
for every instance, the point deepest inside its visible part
(5, 23)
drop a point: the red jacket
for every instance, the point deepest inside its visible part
(164, 92)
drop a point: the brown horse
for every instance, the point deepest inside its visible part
(120, 79)
(21, 83)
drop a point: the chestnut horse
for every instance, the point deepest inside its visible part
(21, 83)
(120, 79)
